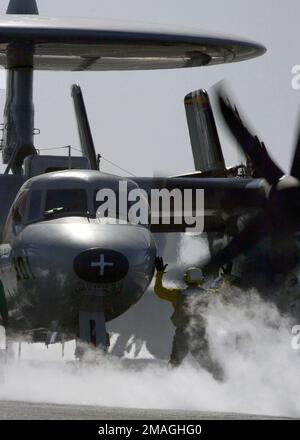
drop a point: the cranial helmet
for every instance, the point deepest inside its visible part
(194, 275)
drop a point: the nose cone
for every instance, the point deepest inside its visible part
(78, 260)
(87, 251)
(101, 266)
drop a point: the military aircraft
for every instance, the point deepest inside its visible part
(63, 270)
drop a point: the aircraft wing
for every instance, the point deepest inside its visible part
(205, 142)
(223, 198)
(81, 44)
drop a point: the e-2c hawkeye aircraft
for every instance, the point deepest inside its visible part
(62, 269)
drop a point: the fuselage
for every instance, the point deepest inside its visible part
(58, 257)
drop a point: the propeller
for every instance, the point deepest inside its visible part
(250, 144)
(280, 220)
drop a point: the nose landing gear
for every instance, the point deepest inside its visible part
(93, 337)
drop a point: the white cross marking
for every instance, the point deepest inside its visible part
(102, 264)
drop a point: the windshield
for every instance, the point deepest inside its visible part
(19, 208)
(66, 202)
(118, 207)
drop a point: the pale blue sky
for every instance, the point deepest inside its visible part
(138, 118)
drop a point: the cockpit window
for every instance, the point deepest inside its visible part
(19, 208)
(118, 207)
(66, 202)
(35, 205)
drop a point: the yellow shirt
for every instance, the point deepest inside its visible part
(162, 292)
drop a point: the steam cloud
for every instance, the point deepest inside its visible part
(247, 336)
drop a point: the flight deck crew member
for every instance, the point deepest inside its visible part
(189, 306)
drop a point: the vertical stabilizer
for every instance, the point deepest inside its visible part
(205, 141)
(22, 7)
(85, 134)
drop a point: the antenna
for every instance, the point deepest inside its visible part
(22, 7)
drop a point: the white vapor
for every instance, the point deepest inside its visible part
(2, 78)
(248, 337)
(193, 249)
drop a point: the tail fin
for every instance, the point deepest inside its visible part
(22, 7)
(205, 141)
(86, 139)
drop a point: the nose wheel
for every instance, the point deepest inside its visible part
(93, 337)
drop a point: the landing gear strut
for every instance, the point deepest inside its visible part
(93, 337)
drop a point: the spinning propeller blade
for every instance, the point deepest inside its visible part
(250, 144)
